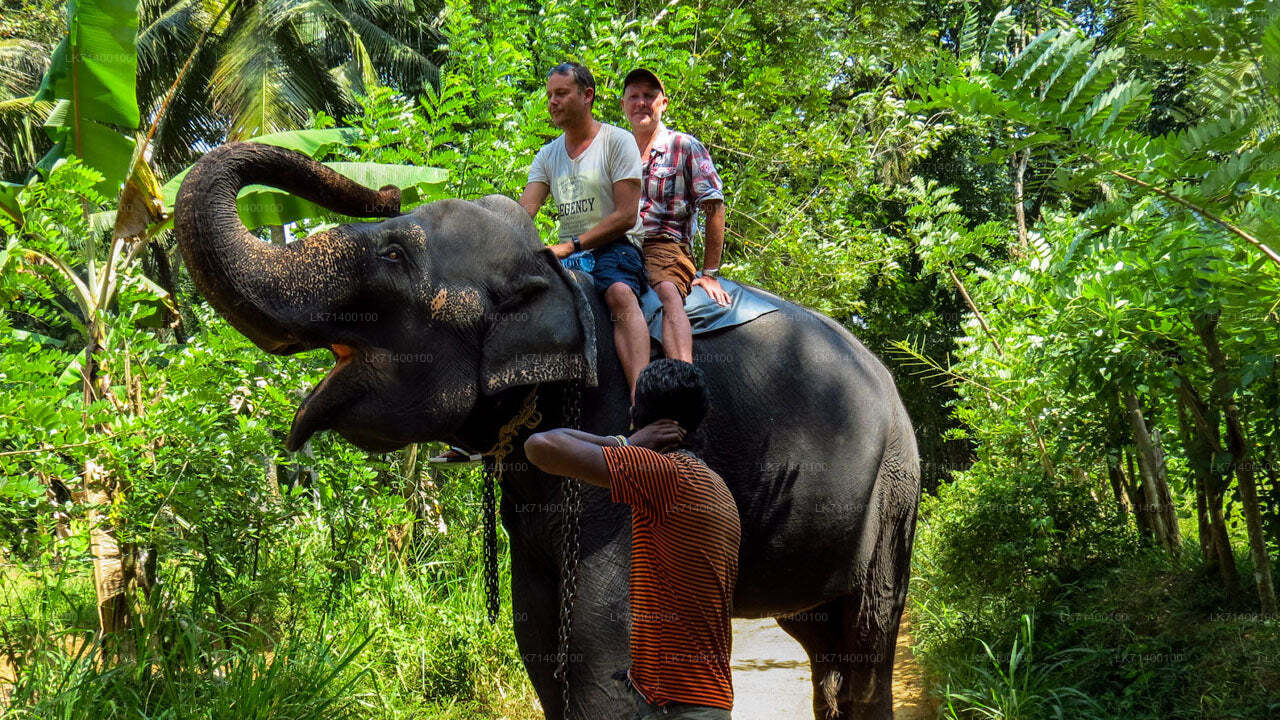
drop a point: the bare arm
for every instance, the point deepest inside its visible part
(535, 193)
(713, 250)
(576, 454)
(626, 201)
(571, 453)
(714, 245)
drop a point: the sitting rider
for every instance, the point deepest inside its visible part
(593, 171)
(685, 533)
(679, 178)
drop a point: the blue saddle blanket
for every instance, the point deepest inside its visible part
(704, 314)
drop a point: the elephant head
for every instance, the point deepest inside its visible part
(426, 313)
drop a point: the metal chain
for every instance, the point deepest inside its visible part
(489, 508)
(571, 495)
(527, 417)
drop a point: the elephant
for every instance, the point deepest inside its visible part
(445, 321)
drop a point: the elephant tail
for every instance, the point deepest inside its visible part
(831, 692)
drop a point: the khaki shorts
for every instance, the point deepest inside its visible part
(669, 260)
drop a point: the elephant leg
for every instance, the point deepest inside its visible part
(850, 658)
(536, 613)
(818, 631)
(598, 640)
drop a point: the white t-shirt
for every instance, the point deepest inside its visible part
(583, 186)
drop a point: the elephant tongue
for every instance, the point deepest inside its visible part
(322, 403)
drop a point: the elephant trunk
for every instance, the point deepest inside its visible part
(270, 294)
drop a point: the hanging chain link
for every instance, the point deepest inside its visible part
(571, 496)
(528, 417)
(489, 508)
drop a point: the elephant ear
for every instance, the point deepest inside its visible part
(532, 337)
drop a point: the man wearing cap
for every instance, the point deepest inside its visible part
(679, 179)
(593, 171)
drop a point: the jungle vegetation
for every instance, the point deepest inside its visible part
(1054, 222)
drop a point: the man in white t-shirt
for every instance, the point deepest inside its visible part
(593, 172)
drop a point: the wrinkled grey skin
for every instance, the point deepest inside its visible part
(443, 318)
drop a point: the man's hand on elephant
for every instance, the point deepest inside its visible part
(562, 250)
(657, 435)
(712, 286)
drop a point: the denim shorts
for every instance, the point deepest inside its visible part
(619, 261)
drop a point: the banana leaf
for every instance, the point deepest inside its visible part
(93, 72)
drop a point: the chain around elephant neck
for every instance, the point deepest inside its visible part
(571, 493)
(528, 417)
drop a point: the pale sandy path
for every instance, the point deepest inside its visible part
(771, 676)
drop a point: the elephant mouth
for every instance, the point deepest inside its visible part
(324, 401)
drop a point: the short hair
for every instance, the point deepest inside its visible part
(582, 77)
(672, 390)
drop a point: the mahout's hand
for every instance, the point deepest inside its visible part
(562, 250)
(657, 434)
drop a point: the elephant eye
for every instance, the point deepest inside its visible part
(393, 253)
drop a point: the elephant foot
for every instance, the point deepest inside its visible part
(850, 659)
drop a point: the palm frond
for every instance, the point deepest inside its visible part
(22, 64)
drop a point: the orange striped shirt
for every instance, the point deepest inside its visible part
(684, 563)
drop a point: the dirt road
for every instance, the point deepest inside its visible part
(771, 676)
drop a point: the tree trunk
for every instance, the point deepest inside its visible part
(1143, 508)
(1198, 463)
(1018, 170)
(110, 581)
(403, 537)
(1202, 440)
(1154, 485)
(1168, 510)
(1118, 487)
(1133, 488)
(1238, 445)
(1204, 531)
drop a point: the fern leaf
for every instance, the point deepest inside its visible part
(1225, 179)
(1101, 73)
(997, 36)
(969, 38)
(1031, 54)
(1269, 63)
(1039, 71)
(1096, 112)
(1130, 102)
(1222, 134)
(1073, 66)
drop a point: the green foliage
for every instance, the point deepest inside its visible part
(870, 157)
(1018, 685)
(257, 553)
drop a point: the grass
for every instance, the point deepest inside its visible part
(1019, 685)
(409, 640)
(1145, 637)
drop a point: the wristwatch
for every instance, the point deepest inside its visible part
(577, 244)
(709, 272)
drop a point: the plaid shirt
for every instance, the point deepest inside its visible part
(678, 177)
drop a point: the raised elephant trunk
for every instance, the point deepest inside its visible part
(270, 294)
